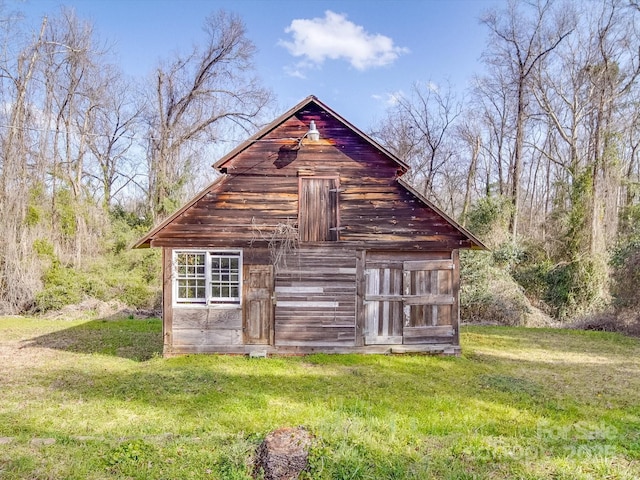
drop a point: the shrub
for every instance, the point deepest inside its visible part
(489, 219)
(489, 294)
(119, 273)
(625, 262)
(575, 288)
(489, 290)
(62, 286)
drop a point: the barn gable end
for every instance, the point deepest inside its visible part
(336, 252)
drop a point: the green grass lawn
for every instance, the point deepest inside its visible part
(94, 399)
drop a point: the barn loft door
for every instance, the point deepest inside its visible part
(258, 304)
(318, 220)
(409, 302)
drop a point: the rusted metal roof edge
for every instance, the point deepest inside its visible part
(478, 243)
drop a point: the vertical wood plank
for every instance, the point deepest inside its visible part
(385, 289)
(445, 279)
(406, 281)
(396, 313)
(258, 307)
(372, 313)
(360, 293)
(167, 299)
(434, 288)
(318, 209)
(455, 290)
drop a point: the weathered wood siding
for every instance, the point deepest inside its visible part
(374, 266)
(318, 212)
(262, 187)
(410, 298)
(202, 329)
(258, 302)
(316, 298)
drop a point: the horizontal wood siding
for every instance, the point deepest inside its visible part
(206, 328)
(260, 192)
(316, 298)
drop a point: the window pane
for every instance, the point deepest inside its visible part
(234, 292)
(190, 277)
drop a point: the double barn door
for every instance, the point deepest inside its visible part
(410, 302)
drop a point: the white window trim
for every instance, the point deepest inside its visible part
(209, 302)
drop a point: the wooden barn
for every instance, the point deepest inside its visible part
(310, 241)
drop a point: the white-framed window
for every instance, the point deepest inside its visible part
(207, 277)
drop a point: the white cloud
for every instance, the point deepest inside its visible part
(296, 71)
(334, 37)
(389, 99)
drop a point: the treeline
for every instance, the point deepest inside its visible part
(539, 158)
(90, 158)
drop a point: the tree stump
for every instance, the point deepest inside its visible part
(283, 454)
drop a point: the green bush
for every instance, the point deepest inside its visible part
(489, 219)
(489, 290)
(119, 273)
(62, 286)
(488, 294)
(575, 288)
(625, 263)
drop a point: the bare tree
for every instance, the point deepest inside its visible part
(194, 97)
(519, 41)
(114, 121)
(17, 285)
(419, 130)
(72, 62)
(582, 94)
(470, 136)
(492, 97)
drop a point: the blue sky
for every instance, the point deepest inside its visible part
(353, 55)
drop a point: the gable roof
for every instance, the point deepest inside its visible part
(310, 100)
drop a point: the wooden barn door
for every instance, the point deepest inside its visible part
(258, 304)
(383, 304)
(410, 302)
(318, 204)
(429, 300)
